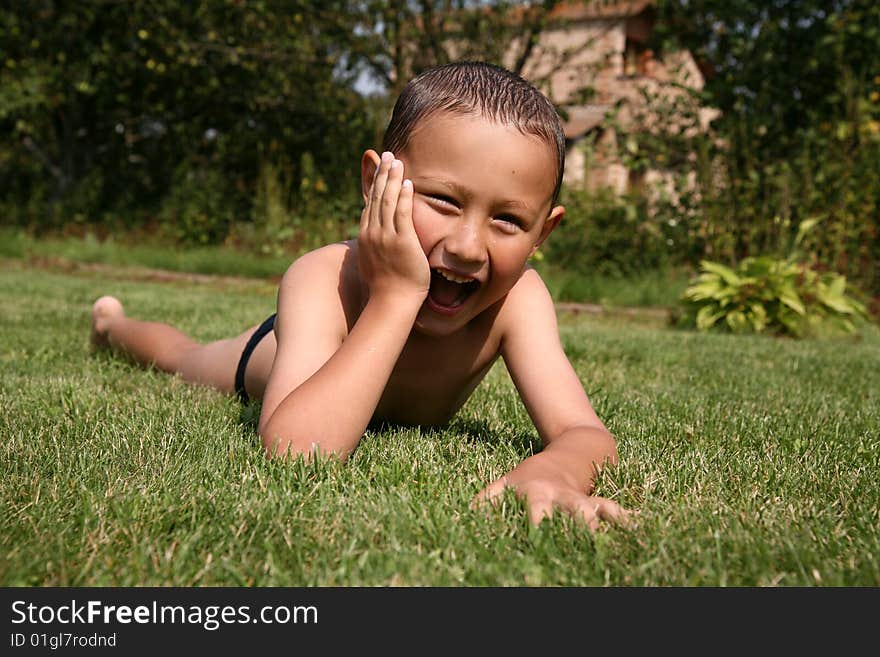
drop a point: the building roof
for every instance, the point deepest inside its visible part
(599, 9)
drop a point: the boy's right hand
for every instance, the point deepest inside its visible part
(391, 258)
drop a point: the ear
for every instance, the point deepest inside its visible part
(369, 164)
(550, 223)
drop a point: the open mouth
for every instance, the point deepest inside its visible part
(449, 291)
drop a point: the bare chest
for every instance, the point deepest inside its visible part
(432, 380)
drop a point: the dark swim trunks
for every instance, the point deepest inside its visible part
(252, 343)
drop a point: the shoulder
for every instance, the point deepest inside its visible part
(317, 286)
(529, 287)
(328, 272)
(527, 304)
(325, 262)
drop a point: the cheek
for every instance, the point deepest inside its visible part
(509, 257)
(426, 228)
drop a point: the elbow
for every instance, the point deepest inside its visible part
(270, 439)
(276, 448)
(268, 433)
(276, 445)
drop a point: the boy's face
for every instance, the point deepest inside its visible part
(482, 206)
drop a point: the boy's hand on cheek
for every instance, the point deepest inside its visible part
(544, 493)
(390, 255)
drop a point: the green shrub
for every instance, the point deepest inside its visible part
(607, 234)
(324, 212)
(273, 223)
(198, 208)
(763, 293)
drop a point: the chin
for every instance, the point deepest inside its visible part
(437, 325)
(435, 329)
(440, 323)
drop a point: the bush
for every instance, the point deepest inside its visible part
(603, 233)
(290, 219)
(272, 222)
(197, 209)
(769, 294)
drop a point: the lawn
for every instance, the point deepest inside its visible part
(750, 461)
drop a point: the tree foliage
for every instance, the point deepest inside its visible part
(105, 105)
(179, 111)
(781, 67)
(206, 114)
(397, 39)
(797, 83)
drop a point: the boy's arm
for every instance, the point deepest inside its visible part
(328, 401)
(576, 443)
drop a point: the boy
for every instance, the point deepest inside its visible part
(402, 324)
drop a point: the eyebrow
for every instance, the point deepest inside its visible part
(466, 193)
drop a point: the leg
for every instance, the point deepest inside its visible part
(170, 350)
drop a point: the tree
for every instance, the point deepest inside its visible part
(798, 86)
(398, 39)
(103, 105)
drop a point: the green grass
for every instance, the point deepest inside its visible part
(648, 289)
(652, 289)
(750, 460)
(221, 260)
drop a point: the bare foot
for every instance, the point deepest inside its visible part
(104, 310)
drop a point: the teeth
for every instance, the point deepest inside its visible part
(452, 277)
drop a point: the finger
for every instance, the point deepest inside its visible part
(490, 493)
(594, 510)
(365, 218)
(539, 509)
(390, 195)
(611, 512)
(379, 188)
(403, 221)
(588, 513)
(366, 212)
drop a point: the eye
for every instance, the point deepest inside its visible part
(509, 223)
(440, 199)
(442, 202)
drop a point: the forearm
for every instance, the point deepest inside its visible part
(332, 409)
(574, 456)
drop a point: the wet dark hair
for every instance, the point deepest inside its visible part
(480, 89)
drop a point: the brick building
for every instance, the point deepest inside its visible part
(603, 46)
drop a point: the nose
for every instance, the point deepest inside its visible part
(466, 241)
